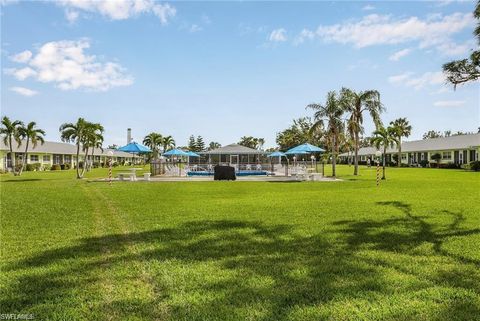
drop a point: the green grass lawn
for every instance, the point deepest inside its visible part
(84, 250)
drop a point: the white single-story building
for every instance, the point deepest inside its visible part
(458, 149)
(55, 153)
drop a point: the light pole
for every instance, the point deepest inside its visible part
(110, 154)
(377, 159)
(313, 162)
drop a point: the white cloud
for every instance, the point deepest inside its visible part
(449, 103)
(368, 7)
(195, 28)
(454, 49)
(400, 54)
(304, 35)
(66, 64)
(22, 57)
(278, 35)
(418, 82)
(22, 73)
(24, 91)
(434, 31)
(117, 9)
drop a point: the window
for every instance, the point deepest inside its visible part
(46, 158)
(34, 158)
(67, 159)
(447, 155)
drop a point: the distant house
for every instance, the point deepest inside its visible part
(54, 153)
(458, 149)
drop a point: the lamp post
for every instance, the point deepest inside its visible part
(313, 162)
(110, 154)
(377, 159)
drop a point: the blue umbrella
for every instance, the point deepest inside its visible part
(135, 148)
(192, 154)
(295, 152)
(305, 149)
(175, 152)
(277, 154)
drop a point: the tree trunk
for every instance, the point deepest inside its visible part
(355, 168)
(399, 160)
(383, 162)
(91, 164)
(12, 158)
(78, 161)
(334, 161)
(25, 157)
(84, 163)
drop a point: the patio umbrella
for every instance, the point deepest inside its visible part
(192, 154)
(175, 152)
(135, 148)
(276, 154)
(305, 149)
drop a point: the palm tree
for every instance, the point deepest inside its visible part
(168, 143)
(401, 128)
(356, 103)
(331, 112)
(383, 137)
(33, 134)
(96, 141)
(154, 141)
(74, 132)
(10, 130)
(93, 133)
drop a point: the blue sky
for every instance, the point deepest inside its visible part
(228, 69)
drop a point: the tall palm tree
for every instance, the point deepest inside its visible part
(93, 132)
(32, 134)
(401, 128)
(331, 112)
(168, 143)
(10, 131)
(383, 137)
(96, 141)
(154, 141)
(74, 132)
(356, 103)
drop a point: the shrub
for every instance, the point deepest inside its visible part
(55, 167)
(475, 166)
(29, 167)
(115, 164)
(424, 163)
(80, 164)
(65, 166)
(96, 165)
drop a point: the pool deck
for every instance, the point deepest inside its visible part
(239, 179)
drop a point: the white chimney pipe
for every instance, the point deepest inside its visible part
(129, 135)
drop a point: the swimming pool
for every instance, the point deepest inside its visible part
(238, 173)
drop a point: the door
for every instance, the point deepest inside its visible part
(234, 161)
(455, 157)
(460, 157)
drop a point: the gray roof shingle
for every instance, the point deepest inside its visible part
(234, 149)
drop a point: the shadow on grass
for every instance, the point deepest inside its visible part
(21, 180)
(268, 266)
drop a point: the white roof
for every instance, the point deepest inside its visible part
(433, 144)
(234, 149)
(58, 148)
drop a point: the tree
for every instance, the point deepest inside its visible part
(356, 103)
(331, 112)
(96, 141)
(113, 146)
(92, 134)
(168, 143)
(383, 137)
(192, 144)
(10, 131)
(468, 69)
(432, 134)
(214, 145)
(400, 128)
(200, 144)
(74, 132)
(251, 142)
(154, 141)
(298, 133)
(32, 134)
